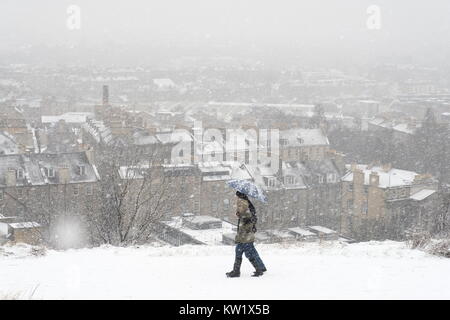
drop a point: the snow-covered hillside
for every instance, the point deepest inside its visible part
(331, 270)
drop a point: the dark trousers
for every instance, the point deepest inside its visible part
(250, 252)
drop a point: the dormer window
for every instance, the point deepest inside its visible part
(289, 180)
(331, 177)
(271, 182)
(81, 170)
(19, 174)
(49, 172)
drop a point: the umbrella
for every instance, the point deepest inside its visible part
(248, 188)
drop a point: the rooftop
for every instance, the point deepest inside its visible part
(322, 229)
(206, 236)
(304, 137)
(387, 178)
(24, 225)
(422, 194)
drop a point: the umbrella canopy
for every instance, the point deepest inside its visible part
(248, 188)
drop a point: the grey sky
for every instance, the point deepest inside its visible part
(413, 28)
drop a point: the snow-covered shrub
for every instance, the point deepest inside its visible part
(417, 240)
(440, 248)
(38, 251)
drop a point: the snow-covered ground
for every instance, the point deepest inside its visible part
(330, 270)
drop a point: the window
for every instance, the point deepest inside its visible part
(226, 204)
(271, 182)
(366, 189)
(350, 187)
(350, 204)
(20, 193)
(89, 190)
(364, 208)
(283, 142)
(1, 195)
(19, 174)
(49, 172)
(81, 170)
(320, 179)
(289, 180)
(214, 206)
(76, 190)
(331, 177)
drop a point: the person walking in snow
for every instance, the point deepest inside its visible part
(245, 237)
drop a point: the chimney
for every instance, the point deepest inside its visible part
(374, 179)
(358, 177)
(64, 175)
(10, 178)
(90, 155)
(387, 167)
(105, 95)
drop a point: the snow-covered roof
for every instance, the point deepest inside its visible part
(206, 236)
(202, 219)
(302, 232)
(170, 169)
(322, 229)
(226, 170)
(69, 117)
(304, 137)
(422, 194)
(24, 225)
(387, 179)
(8, 144)
(33, 166)
(99, 131)
(175, 136)
(405, 127)
(282, 234)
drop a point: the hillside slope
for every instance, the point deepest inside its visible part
(331, 270)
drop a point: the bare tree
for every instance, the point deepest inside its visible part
(133, 196)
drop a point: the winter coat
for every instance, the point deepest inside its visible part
(245, 232)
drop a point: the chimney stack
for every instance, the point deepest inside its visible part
(90, 155)
(105, 95)
(374, 179)
(64, 175)
(387, 167)
(10, 178)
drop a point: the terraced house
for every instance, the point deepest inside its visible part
(46, 187)
(380, 202)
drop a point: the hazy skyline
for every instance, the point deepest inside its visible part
(324, 29)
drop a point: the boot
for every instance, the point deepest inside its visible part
(258, 272)
(236, 272)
